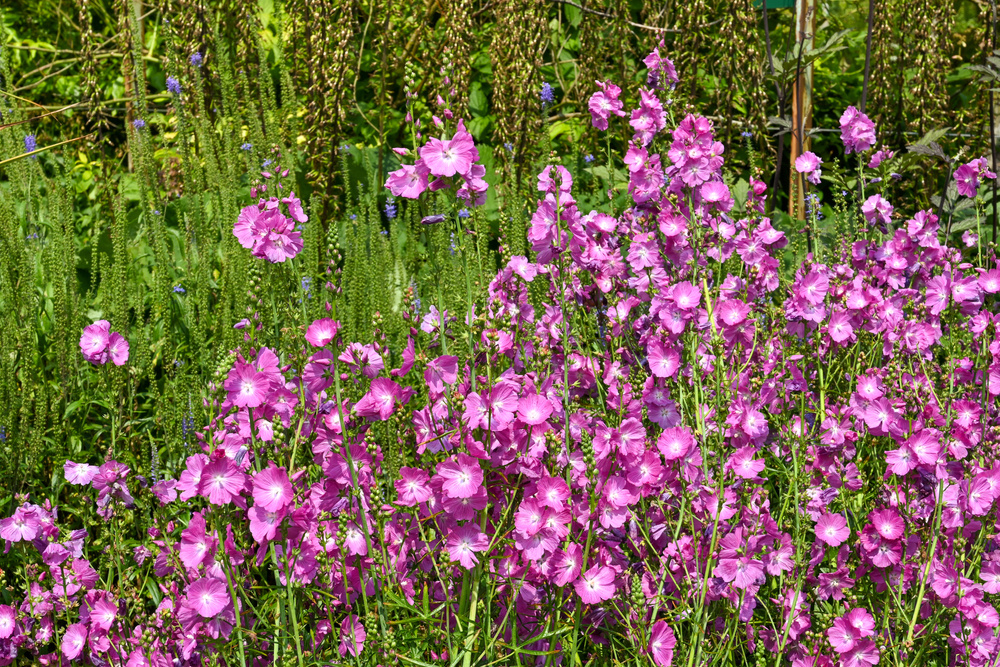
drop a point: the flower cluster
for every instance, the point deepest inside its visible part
(99, 344)
(444, 159)
(648, 439)
(267, 229)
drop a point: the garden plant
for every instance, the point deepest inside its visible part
(457, 401)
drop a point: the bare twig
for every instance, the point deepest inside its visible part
(632, 23)
(45, 148)
(50, 113)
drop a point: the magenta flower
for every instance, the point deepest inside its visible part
(271, 489)
(409, 181)
(79, 473)
(73, 641)
(534, 409)
(321, 332)
(596, 584)
(221, 481)
(208, 596)
(464, 542)
(412, 487)
(247, 387)
(744, 464)
(7, 621)
(24, 525)
(566, 564)
(462, 477)
(809, 164)
(661, 644)
(832, 529)
(663, 361)
(447, 157)
(674, 443)
(117, 349)
(877, 210)
(352, 636)
(648, 119)
(94, 342)
(888, 523)
(605, 103)
(857, 131)
(380, 399)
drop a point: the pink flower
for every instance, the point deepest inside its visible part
(380, 399)
(7, 621)
(566, 564)
(352, 636)
(864, 654)
(94, 342)
(79, 473)
(464, 542)
(888, 523)
(208, 596)
(441, 371)
(447, 157)
(605, 103)
(264, 524)
(412, 487)
(685, 295)
(22, 525)
(321, 332)
(857, 131)
(596, 584)
(271, 489)
(74, 640)
(462, 477)
(744, 464)
(663, 361)
(840, 327)
(196, 546)
(661, 644)
(648, 119)
(674, 443)
(408, 181)
(247, 386)
(832, 529)
(808, 163)
(118, 349)
(877, 210)
(879, 157)
(534, 409)
(221, 481)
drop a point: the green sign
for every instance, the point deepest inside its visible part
(775, 4)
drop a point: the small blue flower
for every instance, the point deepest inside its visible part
(547, 95)
(588, 158)
(173, 85)
(509, 146)
(464, 213)
(353, 216)
(138, 123)
(30, 143)
(156, 212)
(3, 434)
(390, 208)
(746, 134)
(179, 290)
(267, 163)
(247, 146)
(454, 245)
(195, 59)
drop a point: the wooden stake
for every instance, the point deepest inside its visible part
(805, 27)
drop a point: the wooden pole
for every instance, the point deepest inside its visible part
(805, 28)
